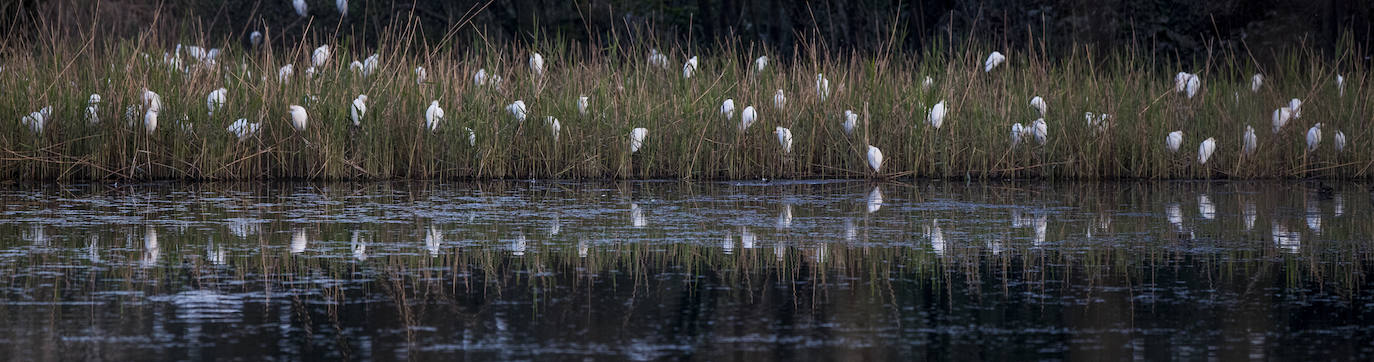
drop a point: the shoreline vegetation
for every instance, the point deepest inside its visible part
(134, 109)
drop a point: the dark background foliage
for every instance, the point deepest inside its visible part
(1186, 29)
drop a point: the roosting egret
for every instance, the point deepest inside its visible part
(727, 109)
(320, 56)
(925, 84)
(1039, 105)
(93, 109)
(242, 129)
(472, 137)
(517, 110)
(784, 139)
(1204, 150)
(433, 115)
(1339, 141)
(370, 65)
(150, 121)
(1040, 131)
(310, 72)
(1250, 141)
(994, 59)
(1016, 134)
(1181, 82)
(779, 100)
(1174, 141)
(936, 118)
(658, 59)
(420, 75)
(822, 86)
(537, 64)
(850, 120)
(284, 74)
(582, 102)
(637, 138)
(1340, 84)
(356, 66)
(875, 158)
(300, 7)
(554, 126)
(298, 118)
(1295, 106)
(1256, 81)
(255, 38)
(480, 78)
(216, 100)
(358, 110)
(1193, 83)
(36, 121)
(1314, 137)
(760, 63)
(689, 68)
(343, 7)
(747, 118)
(1281, 117)
(151, 100)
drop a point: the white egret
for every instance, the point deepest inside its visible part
(517, 110)
(1174, 141)
(658, 59)
(1250, 141)
(760, 63)
(356, 66)
(747, 118)
(1314, 137)
(433, 115)
(1039, 105)
(255, 38)
(343, 7)
(689, 67)
(216, 100)
(93, 109)
(554, 126)
(875, 159)
(1256, 81)
(36, 121)
(1040, 131)
(1281, 117)
(784, 139)
(150, 121)
(1193, 83)
(779, 100)
(420, 75)
(1339, 141)
(472, 137)
(1340, 84)
(284, 74)
(1181, 82)
(300, 7)
(358, 110)
(370, 65)
(151, 100)
(242, 129)
(994, 59)
(480, 78)
(1204, 150)
(850, 120)
(936, 117)
(1017, 132)
(582, 102)
(537, 64)
(310, 72)
(926, 84)
(320, 56)
(727, 109)
(637, 138)
(822, 86)
(1295, 106)
(298, 118)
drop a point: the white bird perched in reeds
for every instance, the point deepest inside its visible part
(1250, 142)
(1281, 117)
(936, 117)
(216, 100)
(1041, 131)
(822, 86)
(472, 137)
(150, 121)
(994, 59)
(582, 104)
(36, 121)
(343, 7)
(554, 126)
(298, 118)
(310, 72)
(875, 159)
(784, 139)
(242, 129)
(1017, 133)
(1204, 150)
(658, 59)
(255, 38)
(779, 100)
(727, 109)
(358, 110)
(420, 75)
(760, 63)
(927, 83)
(1174, 141)
(537, 64)
(285, 72)
(93, 109)
(689, 68)
(637, 138)
(1181, 82)
(370, 65)
(1256, 81)
(747, 118)
(1295, 106)
(1314, 137)
(480, 78)
(1340, 84)
(1339, 141)
(300, 7)
(320, 56)
(433, 115)
(851, 119)
(1193, 84)
(517, 110)
(1039, 105)
(356, 66)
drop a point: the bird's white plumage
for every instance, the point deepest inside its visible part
(517, 110)
(760, 63)
(358, 110)
(480, 78)
(342, 5)
(1017, 133)
(1041, 131)
(822, 86)
(875, 159)
(1204, 150)
(779, 100)
(300, 7)
(1338, 141)
(433, 116)
(1249, 141)
(242, 129)
(1281, 117)
(1295, 106)
(582, 104)
(727, 109)
(851, 119)
(285, 72)
(637, 136)
(554, 126)
(420, 75)
(255, 38)
(537, 64)
(1256, 81)
(936, 117)
(1314, 137)
(1039, 105)
(689, 68)
(216, 100)
(784, 139)
(1193, 84)
(150, 121)
(298, 118)
(320, 55)
(1174, 141)
(747, 117)
(994, 59)
(1340, 84)
(370, 65)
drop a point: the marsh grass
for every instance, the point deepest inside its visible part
(688, 139)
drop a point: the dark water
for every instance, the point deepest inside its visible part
(718, 271)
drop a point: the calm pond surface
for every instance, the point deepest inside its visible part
(668, 270)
